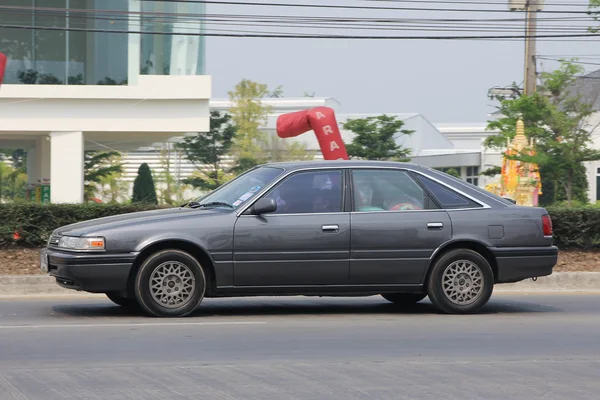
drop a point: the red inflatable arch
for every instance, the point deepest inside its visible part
(322, 121)
(2, 67)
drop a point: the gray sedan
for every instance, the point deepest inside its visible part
(320, 228)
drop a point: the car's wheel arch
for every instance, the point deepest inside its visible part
(194, 249)
(468, 244)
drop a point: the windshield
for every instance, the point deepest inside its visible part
(241, 189)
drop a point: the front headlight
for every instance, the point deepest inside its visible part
(81, 243)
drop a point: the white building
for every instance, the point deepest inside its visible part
(89, 88)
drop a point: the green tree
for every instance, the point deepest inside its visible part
(277, 93)
(144, 190)
(172, 188)
(557, 119)
(248, 113)
(114, 188)
(207, 151)
(97, 166)
(376, 138)
(450, 171)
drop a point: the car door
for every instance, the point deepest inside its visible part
(306, 241)
(395, 228)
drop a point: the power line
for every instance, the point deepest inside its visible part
(307, 24)
(574, 62)
(72, 12)
(301, 36)
(499, 3)
(363, 8)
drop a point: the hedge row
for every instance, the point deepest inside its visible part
(574, 228)
(34, 222)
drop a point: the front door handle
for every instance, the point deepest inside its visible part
(435, 225)
(331, 228)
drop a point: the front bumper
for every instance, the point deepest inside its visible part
(95, 273)
(519, 263)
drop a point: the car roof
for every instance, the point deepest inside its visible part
(294, 165)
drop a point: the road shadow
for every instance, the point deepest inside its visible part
(302, 306)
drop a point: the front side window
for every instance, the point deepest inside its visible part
(242, 189)
(309, 192)
(387, 190)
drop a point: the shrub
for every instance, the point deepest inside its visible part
(576, 227)
(35, 222)
(144, 190)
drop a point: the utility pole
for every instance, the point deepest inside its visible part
(531, 8)
(530, 48)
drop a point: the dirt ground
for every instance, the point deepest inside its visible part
(19, 261)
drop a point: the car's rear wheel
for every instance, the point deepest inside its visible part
(461, 282)
(404, 298)
(170, 283)
(122, 301)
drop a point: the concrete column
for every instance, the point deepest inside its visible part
(134, 42)
(66, 172)
(42, 157)
(32, 168)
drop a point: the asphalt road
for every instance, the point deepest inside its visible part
(520, 347)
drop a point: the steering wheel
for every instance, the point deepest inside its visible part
(406, 206)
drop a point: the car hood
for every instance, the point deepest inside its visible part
(135, 218)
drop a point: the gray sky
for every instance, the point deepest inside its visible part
(446, 81)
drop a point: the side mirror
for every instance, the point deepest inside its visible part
(264, 206)
(511, 200)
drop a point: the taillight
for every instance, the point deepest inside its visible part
(547, 224)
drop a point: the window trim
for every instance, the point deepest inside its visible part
(467, 207)
(286, 173)
(291, 174)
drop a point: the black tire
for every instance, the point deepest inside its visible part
(404, 299)
(189, 272)
(122, 301)
(465, 300)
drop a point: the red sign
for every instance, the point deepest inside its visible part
(2, 66)
(323, 122)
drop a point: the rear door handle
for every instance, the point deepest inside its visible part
(330, 228)
(435, 225)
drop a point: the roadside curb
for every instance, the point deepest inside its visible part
(42, 285)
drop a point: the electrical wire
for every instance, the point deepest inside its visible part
(574, 62)
(223, 20)
(554, 32)
(351, 7)
(301, 36)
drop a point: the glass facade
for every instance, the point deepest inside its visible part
(66, 41)
(165, 50)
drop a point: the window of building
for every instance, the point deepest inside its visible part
(472, 176)
(387, 190)
(166, 51)
(446, 197)
(45, 53)
(309, 192)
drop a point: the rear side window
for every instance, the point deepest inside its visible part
(447, 198)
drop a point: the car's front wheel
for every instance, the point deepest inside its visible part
(170, 283)
(461, 282)
(404, 299)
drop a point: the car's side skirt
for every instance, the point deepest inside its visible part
(316, 290)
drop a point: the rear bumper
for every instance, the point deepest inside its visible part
(519, 263)
(95, 273)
